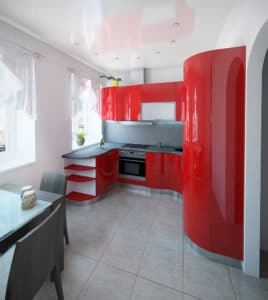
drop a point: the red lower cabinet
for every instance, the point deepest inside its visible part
(106, 171)
(174, 170)
(213, 171)
(155, 170)
(164, 171)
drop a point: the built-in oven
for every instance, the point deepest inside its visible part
(132, 164)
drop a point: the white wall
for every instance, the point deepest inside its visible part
(173, 73)
(53, 126)
(245, 26)
(148, 75)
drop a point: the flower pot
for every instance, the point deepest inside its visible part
(115, 83)
(80, 141)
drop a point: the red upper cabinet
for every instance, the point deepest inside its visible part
(213, 171)
(108, 98)
(130, 96)
(124, 103)
(120, 103)
(161, 92)
(106, 171)
(180, 94)
(164, 92)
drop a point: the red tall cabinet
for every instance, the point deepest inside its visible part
(213, 171)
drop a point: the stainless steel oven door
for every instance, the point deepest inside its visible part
(132, 168)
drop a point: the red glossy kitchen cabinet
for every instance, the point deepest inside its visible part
(164, 171)
(164, 92)
(106, 171)
(174, 170)
(180, 94)
(155, 171)
(155, 92)
(109, 101)
(121, 103)
(213, 171)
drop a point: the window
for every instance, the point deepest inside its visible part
(17, 107)
(3, 128)
(86, 122)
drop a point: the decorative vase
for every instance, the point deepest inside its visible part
(80, 141)
(115, 82)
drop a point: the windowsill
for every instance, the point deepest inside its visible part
(14, 164)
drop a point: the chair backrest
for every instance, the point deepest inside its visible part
(35, 256)
(53, 182)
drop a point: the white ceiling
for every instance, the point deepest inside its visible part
(122, 34)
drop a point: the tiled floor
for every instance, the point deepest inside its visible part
(130, 245)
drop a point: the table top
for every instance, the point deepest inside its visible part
(12, 216)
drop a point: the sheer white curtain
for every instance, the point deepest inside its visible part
(17, 79)
(85, 107)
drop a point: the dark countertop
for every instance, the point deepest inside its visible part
(95, 150)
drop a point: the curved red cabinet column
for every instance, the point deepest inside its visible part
(213, 171)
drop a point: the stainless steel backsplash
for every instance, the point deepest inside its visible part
(168, 133)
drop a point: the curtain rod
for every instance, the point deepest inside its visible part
(36, 54)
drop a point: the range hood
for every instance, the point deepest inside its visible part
(149, 122)
(142, 122)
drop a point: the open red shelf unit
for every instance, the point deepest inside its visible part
(79, 178)
(79, 168)
(75, 196)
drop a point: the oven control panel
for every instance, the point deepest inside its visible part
(132, 154)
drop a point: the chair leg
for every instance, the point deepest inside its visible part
(57, 280)
(65, 230)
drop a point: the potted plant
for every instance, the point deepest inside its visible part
(80, 138)
(115, 81)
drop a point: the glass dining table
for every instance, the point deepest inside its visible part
(16, 222)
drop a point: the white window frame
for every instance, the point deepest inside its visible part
(78, 101)
(20, 127)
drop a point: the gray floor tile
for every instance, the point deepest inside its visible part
(125, 252)
(169, 217)
(135, 227)
(206, 279)
(132, 229)
(77, 270)
(90, 242)
(166, 236)
(108, 283)
(247, 287)
(148, 290)
(163, 265)
(188, 297)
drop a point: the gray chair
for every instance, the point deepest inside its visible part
(35, 257)
(56, 183)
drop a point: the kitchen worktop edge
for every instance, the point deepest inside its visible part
(95, 150)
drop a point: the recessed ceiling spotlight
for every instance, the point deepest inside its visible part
(76, 43)
(116, 58)
(138, 57)
(176, 24)
(157, 52)
(96, 53)
(172, 41)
